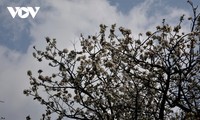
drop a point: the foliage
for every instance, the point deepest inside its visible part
(121, 78)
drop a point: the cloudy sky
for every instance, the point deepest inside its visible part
(65, 20)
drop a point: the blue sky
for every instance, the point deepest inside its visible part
(17, 35)
(65, 20)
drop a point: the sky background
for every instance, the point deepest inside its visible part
(65, 20)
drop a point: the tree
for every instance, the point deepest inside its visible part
(123, 78)
(2, 118)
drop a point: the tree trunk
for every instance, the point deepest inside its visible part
(164, 98)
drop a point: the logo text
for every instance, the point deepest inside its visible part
(23, 12)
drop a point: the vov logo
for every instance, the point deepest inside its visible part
(23, 12)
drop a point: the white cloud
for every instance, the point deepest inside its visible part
(65, 20)
(68, 19)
